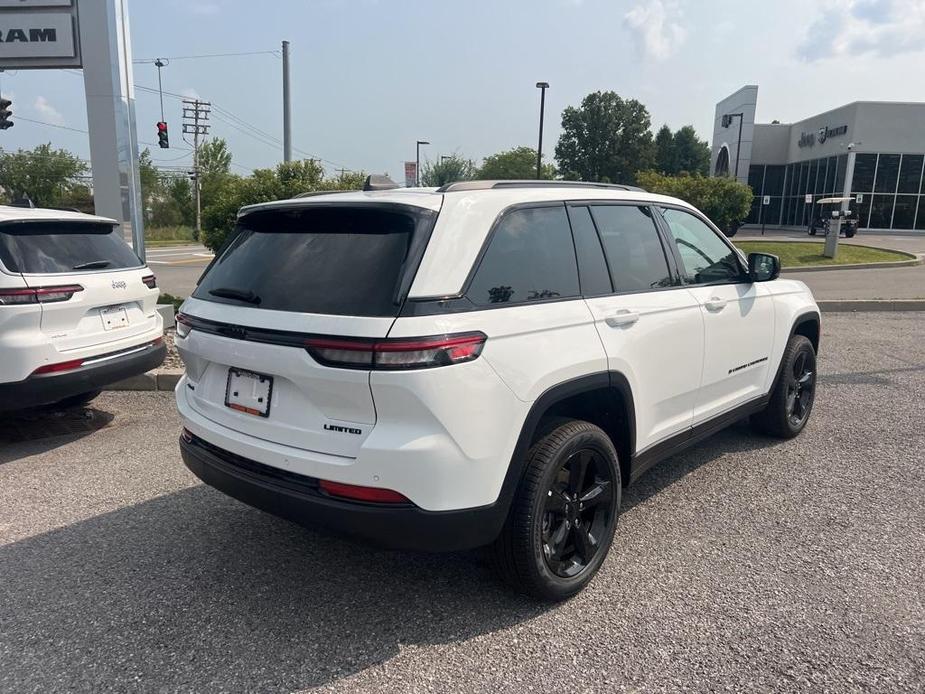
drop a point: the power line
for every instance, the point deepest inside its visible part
(206, 55)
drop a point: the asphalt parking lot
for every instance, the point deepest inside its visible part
(744, 564)
(178, 267)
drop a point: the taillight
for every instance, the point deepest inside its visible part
(38, 295)
(184, 325)
(396, 353)
(59, 367)
(150, 281)
(358, 493)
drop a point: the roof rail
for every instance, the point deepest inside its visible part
(313, 193)
(492, 185)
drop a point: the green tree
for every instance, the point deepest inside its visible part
(265, 185)
(178, 204)
(665, 159)
(724, 200)
(151, 187)
(43, 174)
(691, 153)
(214, 158)
(606, 139)
(518, 163)
(447, 170)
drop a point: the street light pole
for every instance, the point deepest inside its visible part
(542, 86)
(417, 162)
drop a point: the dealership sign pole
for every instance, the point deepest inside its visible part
(94, 35)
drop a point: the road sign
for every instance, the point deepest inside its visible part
(411, 174)
(767, 200)
(809, 198)
(39, 34)
(859, 197)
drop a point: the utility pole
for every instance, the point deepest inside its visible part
(287, 112)
(195, 117)
(542, 86)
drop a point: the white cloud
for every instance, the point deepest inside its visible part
(190, 93)
(47, 112)
(850, 28)
(656, 27)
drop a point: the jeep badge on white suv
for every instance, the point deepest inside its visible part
(77, 308)
(487, 363)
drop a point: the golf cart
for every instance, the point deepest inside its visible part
(826, 213)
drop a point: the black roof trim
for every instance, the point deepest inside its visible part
(493, 185)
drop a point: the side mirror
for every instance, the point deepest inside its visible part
(763, 267)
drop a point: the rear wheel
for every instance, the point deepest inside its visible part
(792, 400)
(563, 516)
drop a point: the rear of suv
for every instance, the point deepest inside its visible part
(487, 363)
(77, 308)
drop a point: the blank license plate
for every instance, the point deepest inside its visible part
(249, 392)
(114, 317)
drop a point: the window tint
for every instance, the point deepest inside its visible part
(592, 268)
(706, 258)
(346, 261)
(530, 258)
(63, 247)
(634, 252)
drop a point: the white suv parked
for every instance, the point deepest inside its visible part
(77, 308)
(487, 363)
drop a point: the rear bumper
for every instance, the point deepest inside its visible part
(50, 388)
(297, 498)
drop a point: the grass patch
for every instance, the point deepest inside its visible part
(168, 236)
(808, 253)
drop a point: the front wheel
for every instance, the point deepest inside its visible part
(793, 396)
(563, 515)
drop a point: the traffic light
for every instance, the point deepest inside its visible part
(163, 140)
(5, 114)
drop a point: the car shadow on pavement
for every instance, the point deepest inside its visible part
(737, 438)
(194, 591)
(35, 431)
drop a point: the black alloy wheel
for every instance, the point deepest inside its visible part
(578, 512)
(800, 389)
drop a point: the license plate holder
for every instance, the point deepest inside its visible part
(248, 392)
(114, 317)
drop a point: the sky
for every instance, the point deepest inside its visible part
(370, 77)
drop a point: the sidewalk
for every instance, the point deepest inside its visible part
(872, 283)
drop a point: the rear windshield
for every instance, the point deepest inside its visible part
(349, 261)
(64, 247)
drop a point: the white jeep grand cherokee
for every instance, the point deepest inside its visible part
(77, 308)
(488, 363)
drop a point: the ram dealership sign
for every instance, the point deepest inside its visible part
(821, 135)
(38, 34)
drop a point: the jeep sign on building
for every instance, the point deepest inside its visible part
(808, 160)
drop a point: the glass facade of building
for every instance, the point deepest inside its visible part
(891, 185)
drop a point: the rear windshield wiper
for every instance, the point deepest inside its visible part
(92, 265)
(245, 295)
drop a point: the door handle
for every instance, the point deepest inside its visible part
(622, 317)
(715, 303)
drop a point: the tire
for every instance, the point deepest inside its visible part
(794, 393)
(561, 522)
(76, 400)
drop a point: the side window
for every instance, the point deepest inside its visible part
(706, 258)
(592, 268)
(530, 258)
(634, 252)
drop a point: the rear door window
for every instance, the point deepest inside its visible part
(530, 258)
(64, 247)
(634, 252)
(335, 260)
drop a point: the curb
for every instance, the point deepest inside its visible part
(853, 266)
(163, 380)
(871, 305)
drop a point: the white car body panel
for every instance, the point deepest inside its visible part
(444, 436)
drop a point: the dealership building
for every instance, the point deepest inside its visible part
(871, 150)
